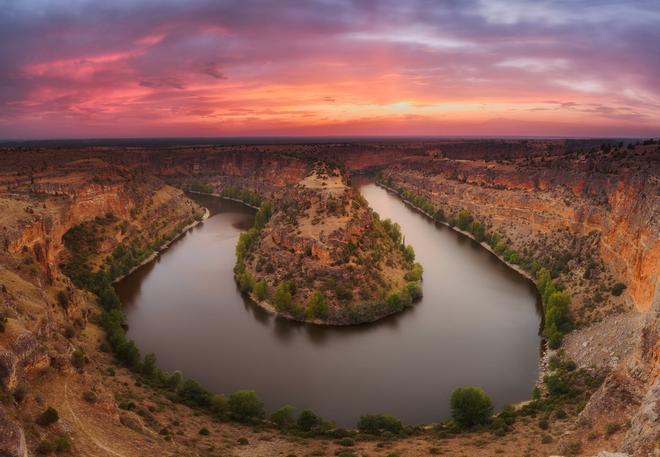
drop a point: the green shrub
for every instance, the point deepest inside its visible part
(89, 396)
(261, 290)
(219, 406)
(46, 447)
(376, 424)
(409, 253)
(204, 431)
(191, 393)
(69, 331)
(20, 392)
(244, 406)
(346, 442)
(308, 420)
(61, 444)
(470, 406)
(78, 358)
(618, 288)
(464, 219)
(415, 273)
(49, 416)
(318, 306)
(282, 298)
(414, 290)
(556, 384)
(612, 428)
(283, 417)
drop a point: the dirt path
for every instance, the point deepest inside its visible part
(82, 427)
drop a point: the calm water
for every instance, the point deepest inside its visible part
(476, 325)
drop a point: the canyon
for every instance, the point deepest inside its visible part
(587, 212)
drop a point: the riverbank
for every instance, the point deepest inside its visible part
(483, 244)
(223, 197)
(546, 352)
(165, 245)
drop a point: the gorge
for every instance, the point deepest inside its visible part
(76, 219)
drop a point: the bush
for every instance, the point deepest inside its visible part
(45, 447)
(244, 406)
(283, 417)
(415, 273)
(191, 393)
(61, 444)
(261, 290)
(618, 288)
(375, 424)
(308, 420)
(464, 219)
(49, 416)
(282, 298)
(470, 406)
(612, 428)
(346, 442)
(69, 331)
(245, 282)
(556, 384)
(20, 393)
(204, 431)
(414, 290)
(89, 396)
(318, 306)
(409, 253)
(78, 358)
(219, 406)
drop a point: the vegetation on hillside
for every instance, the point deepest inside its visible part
(557, 318)
(327, 299)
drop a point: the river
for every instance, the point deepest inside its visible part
(478, 324)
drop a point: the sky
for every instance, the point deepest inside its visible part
(147, 68)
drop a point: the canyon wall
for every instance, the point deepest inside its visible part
(525, 199)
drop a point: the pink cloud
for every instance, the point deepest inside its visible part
(204, 68)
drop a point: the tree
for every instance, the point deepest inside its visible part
(261, 290)
(78, 358)
(375, 424)
(282, 298)
(308, 420)
(149, 365)
(244, 406)
(409, 253)
(464, 219)
(191, 393)
(470, 406)
(318, 306)
(174, 380)
(245, 281)
(415, 273)
(618, 288)
(219, 406)
(283, 417)
(49, 416)
(414, 290)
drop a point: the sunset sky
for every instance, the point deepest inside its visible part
(130, 68)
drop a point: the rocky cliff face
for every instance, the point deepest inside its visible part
(555, 201)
